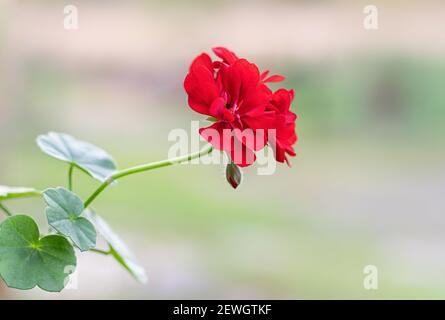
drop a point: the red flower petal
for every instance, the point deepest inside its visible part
(264, 74)
(224, 138)
(200, 84)
(228, 56)
(241, 155)
(203, 60)
(285, 131)
(217, 108)
(214, 134)
(275, 78)
(241, 81)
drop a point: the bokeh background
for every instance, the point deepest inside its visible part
(367, 187)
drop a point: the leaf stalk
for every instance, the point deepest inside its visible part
(70, 177)
(5, 210)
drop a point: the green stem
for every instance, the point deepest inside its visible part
(106, 253)
(5, 210)
(143, 168)
(70, 177)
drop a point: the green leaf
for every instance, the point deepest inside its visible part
(11, 192)
(27, 261)
(63, 213)
(91, 159)
(118, 248)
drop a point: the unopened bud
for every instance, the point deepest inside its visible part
(233, 175)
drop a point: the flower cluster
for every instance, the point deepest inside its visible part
(247, 114)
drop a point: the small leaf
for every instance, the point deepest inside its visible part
(118, 248)
(12, 192)
(211, 119)
(27, 261)
(234, 175)
(91, 159)
(63, 213)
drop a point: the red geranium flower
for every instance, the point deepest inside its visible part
(234, 93)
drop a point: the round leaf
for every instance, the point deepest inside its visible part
(63, 213)
(12, 192)
(27, 261)
(91, 159)
(119, 249)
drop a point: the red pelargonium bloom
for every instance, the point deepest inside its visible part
(235, 93)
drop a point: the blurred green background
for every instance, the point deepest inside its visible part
(367, 187)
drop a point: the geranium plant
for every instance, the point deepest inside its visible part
(247, 116)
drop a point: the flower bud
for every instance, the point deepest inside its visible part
(233, 175)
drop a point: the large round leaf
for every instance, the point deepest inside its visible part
(118, 248)
(63, 213)
(14, 192)
(91, 159)
(27, 261)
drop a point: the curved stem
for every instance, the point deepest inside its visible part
(8, 213)
(106, 253)
(70, 177)
(143, 168)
